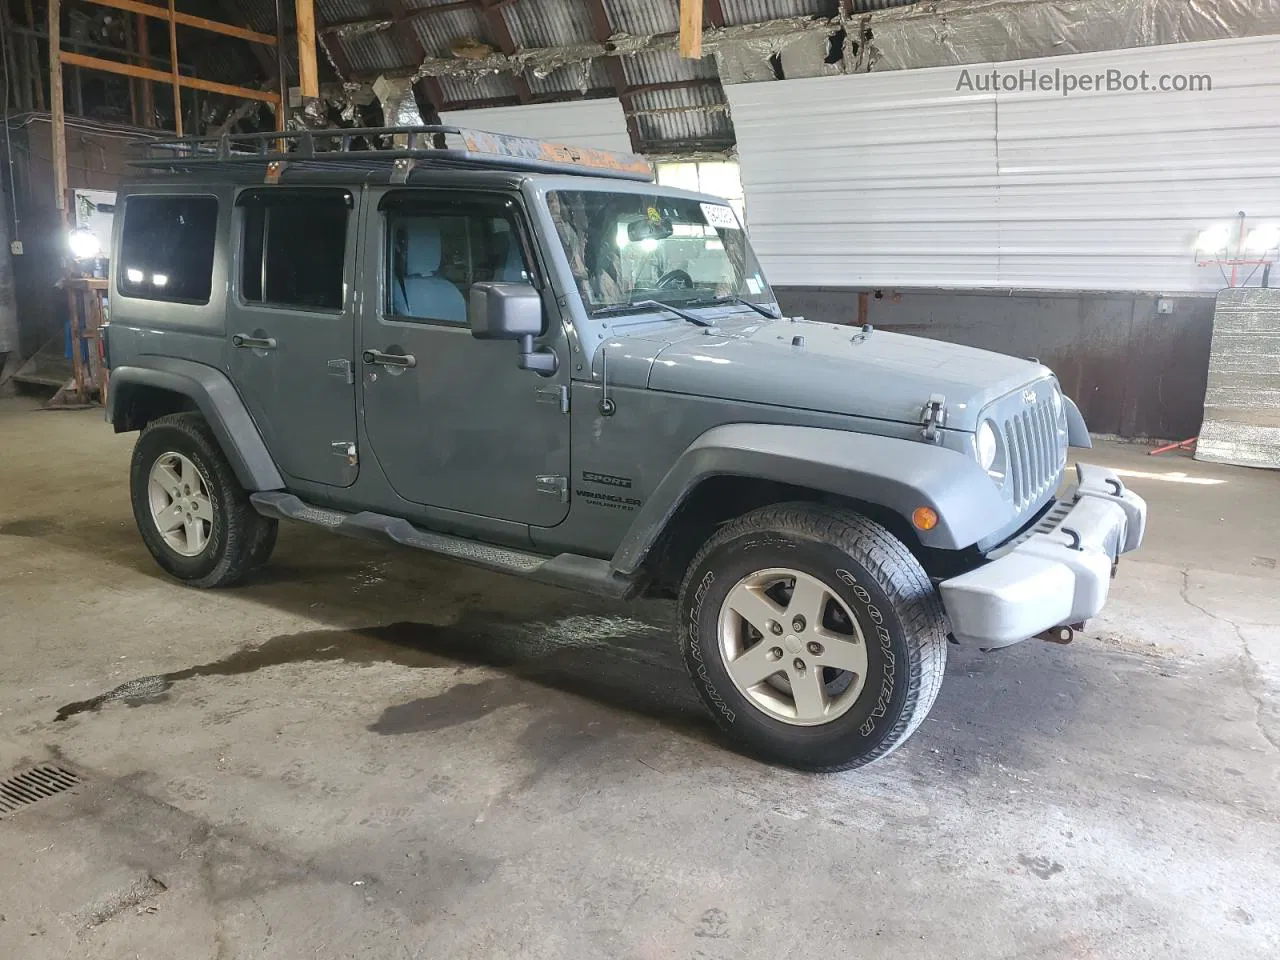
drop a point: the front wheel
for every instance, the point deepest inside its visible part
(813, 635)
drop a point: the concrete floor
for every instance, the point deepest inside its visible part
(369, 753)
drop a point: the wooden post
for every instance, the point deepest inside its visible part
(691, 29)
(173, 70)
(308, 76)
(282, 74)
(58, 128)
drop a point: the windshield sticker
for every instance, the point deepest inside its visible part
(753, 285)
(721, 218)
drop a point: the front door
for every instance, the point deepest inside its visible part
(453, 421)
(291, 322)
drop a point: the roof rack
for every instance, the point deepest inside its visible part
(405, 147)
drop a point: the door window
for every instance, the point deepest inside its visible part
(294, 249)
(166, 250)
(435, 257)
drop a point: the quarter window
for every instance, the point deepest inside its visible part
(166, 249)
(435, 257)
(294, 250)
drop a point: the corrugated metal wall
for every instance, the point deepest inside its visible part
(578, 123)
(900, 179)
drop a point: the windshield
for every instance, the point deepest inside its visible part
(628, 247)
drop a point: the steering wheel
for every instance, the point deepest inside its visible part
(673, 278)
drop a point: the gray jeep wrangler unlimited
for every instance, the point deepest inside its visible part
(304, 325)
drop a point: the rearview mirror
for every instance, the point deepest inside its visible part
(649, 229)
(511, 311)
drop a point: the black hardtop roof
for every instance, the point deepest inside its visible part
(378, 154)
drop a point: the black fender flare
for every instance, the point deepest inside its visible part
(216, 399)
(897, 474)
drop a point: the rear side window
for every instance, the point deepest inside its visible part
(166, 250)
(294, 248)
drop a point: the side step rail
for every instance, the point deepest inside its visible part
(565, 570)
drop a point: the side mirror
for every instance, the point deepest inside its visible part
(510, 311)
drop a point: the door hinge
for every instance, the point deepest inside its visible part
(933, 416)
(340, 368)
(556, 485)
(345, 448)
(557, 395)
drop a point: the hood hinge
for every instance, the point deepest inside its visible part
(933, 416)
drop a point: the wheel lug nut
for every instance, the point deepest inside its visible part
(775, 653)
(775, 627)
(797, 624)
(815, 648)
(799, 665)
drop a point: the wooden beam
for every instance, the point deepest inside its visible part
(159, 76)
(58, 124)
(173, 70)
(714, 13)
(186, 20)
(305, 28)
(691, 29)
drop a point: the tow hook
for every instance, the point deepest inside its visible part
(1063, 634)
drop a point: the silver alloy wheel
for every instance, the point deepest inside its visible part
(180, 506)
(792, 647)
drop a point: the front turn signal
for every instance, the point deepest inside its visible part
(925, 518)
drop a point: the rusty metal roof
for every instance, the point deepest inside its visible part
(673, 104)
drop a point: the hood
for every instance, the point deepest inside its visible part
(827, 367)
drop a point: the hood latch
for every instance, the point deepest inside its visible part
(933, 416)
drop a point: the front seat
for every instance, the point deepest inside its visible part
(422, 292)
(512, 270)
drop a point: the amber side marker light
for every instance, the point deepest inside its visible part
(925, 518)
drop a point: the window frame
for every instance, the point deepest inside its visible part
(436, 201)
(118, 268)
(243, 200)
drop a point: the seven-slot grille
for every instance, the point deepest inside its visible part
(1035, 455)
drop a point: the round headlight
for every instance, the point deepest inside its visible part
(986, 445)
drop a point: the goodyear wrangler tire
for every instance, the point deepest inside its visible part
(813, 636)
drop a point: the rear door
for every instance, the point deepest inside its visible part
(291, 323)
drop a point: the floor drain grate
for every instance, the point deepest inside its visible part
(34, 785)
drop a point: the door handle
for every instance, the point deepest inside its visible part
(390, 359)
(253, 343)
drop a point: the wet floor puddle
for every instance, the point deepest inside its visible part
(615, 659)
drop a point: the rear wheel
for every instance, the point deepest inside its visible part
(813, 635)
(193, 515)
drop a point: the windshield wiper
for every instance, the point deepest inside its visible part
(655, 305)
(763, 311)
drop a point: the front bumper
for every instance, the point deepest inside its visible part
(1057, 573)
